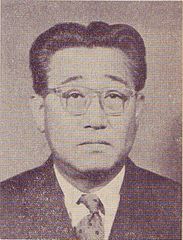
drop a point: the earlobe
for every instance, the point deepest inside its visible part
(139, 107)
(36, 104)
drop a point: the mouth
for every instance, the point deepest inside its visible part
(94, 142)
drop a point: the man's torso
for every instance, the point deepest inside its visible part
(33, 207)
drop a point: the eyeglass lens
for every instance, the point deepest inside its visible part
(77, 100)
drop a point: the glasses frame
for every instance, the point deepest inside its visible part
(95, 92)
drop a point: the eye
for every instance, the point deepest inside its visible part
(116, 95)
(72, 94)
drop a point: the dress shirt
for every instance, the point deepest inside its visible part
(109, 196)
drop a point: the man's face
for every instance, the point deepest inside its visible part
(94, 140)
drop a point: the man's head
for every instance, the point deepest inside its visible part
(87, 81)
(96, 34)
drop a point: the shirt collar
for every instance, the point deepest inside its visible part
(111, 189)
(72, 194)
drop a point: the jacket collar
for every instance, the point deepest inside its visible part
(132, 219)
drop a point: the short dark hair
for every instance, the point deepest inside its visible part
(96, 34)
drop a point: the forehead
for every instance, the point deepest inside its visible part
(92, 65)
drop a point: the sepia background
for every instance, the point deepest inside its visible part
(158, 142)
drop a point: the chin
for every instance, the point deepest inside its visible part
(97, 164)
(94, 162)
(92, 169)
(97, 174)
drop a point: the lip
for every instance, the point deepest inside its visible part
(94, 142)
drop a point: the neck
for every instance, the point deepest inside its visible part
(89, 180)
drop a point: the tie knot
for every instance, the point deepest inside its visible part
(92, 202)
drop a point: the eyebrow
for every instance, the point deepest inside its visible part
(113, 78)
(70, 79)
(116, 78)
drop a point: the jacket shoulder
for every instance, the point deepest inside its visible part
(155, 181)
(156, 200)
(21, 183)
(159, 191)
(154, 188)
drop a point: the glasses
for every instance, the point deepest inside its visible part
(77, 100)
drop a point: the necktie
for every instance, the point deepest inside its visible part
(91, 227)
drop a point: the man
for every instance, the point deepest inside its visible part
(87, 82)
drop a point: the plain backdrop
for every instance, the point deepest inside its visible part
(158, 142)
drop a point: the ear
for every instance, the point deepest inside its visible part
(139, 107)
(36, 104)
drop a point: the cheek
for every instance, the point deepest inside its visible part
(123, 129)
(61, 127)
(123, 125)
(127, 122)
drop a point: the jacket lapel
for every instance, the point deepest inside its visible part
(132, 219)
(52, 219)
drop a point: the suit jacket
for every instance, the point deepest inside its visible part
(32, 207)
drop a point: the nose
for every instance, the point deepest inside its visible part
(95, 118)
